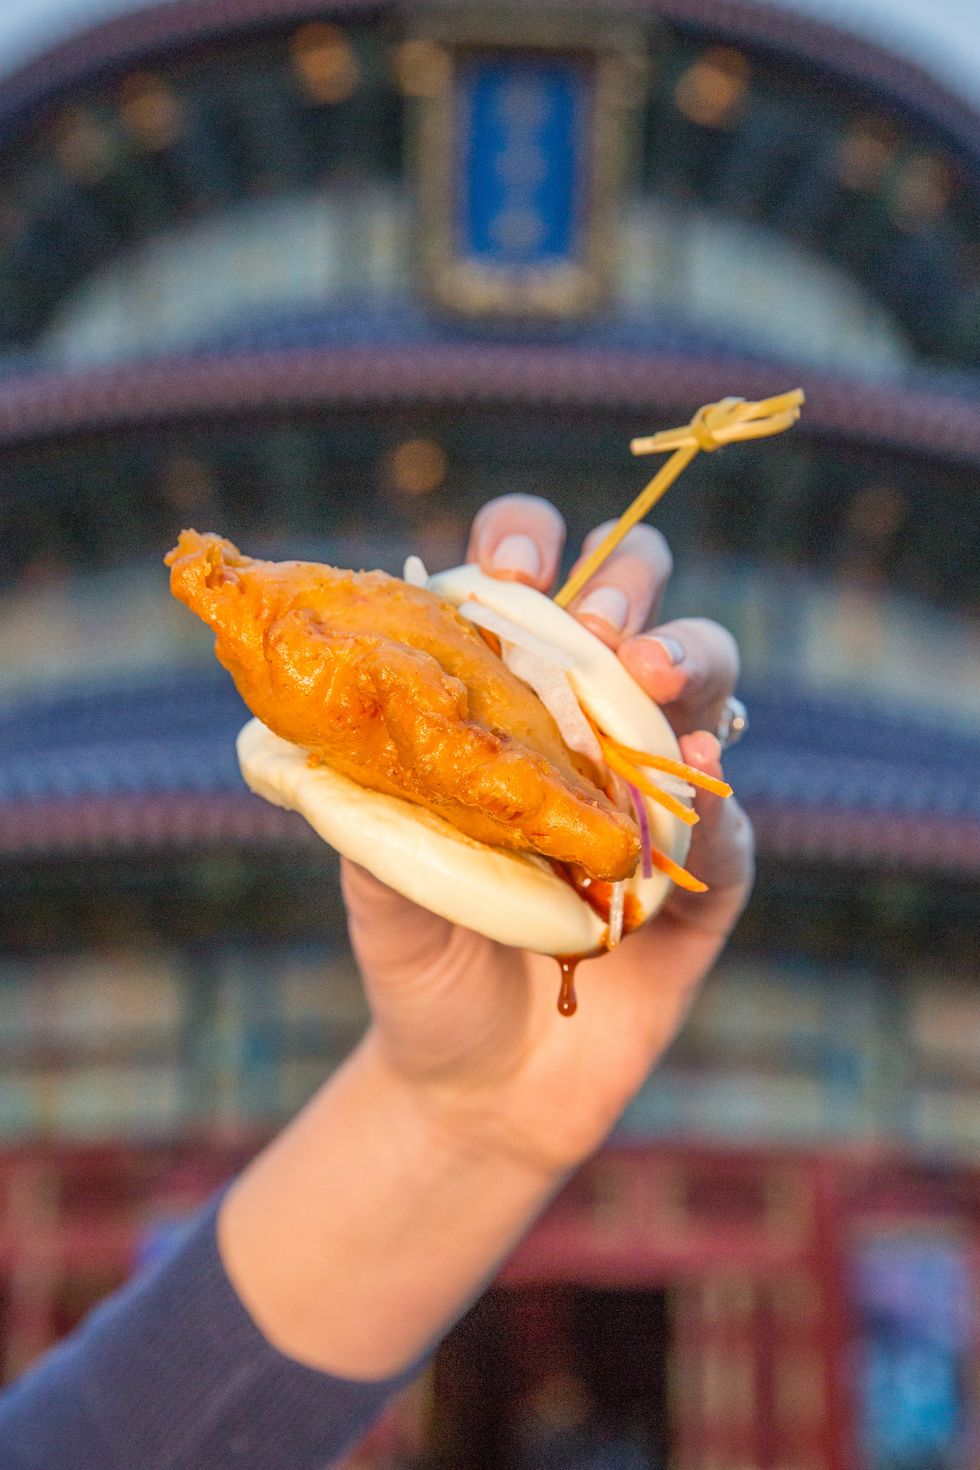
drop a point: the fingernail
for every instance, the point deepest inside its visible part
(707, 748)
(672, 650)
(516, 556)
(608, 603)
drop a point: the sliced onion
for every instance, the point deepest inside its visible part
(617, 903)
(616, 789)
(643, 822)
(511, 632)
(556, 694)
(414, 572)
(673, 785)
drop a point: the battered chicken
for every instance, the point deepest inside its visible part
(387, 684)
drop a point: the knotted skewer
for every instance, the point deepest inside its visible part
(712, 426)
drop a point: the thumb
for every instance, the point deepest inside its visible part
(390, 934)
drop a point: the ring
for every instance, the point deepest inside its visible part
(733, 723)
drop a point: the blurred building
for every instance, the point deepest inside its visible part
(325, 278)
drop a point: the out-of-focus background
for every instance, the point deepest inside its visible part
(325, 278)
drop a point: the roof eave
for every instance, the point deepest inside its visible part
(540, 377)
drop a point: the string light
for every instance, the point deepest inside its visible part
(151, 111)
(711, 91)
(417, 466)
(421, 67)
(325, 62)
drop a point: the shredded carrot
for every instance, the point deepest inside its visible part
(617, 759)
(679, 875)
(490, 639)
(691, 774)
(617, 762)
(668, 766)
(664, 798)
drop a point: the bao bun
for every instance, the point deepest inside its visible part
(512, 897)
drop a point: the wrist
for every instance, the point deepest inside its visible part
(371, 1223)
(471, 1125)
(512, 1118)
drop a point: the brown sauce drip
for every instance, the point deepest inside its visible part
(598, 895)
(567, 999)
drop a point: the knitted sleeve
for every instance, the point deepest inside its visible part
(172, 1374)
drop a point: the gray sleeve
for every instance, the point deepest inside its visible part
(172, 1374)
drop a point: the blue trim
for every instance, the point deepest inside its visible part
(176, 736)
(159, 738)
(403, 323)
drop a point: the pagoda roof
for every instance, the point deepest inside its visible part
(825, 777)
(323, 366)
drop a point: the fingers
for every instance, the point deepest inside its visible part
(691, 928)
(518, 538)
(626, 591)
(722, 849)
(689, 667)
(390, 934)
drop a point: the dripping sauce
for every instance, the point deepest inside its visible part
(598, 895)
(567, 999)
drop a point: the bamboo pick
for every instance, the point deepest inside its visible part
(726, 422)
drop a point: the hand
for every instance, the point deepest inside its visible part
(365, 1228)
(473, 1026)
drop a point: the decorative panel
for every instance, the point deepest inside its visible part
(520, 148)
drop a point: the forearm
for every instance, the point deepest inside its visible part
(366, 1228)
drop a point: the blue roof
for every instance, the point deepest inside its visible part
(174, 738)
(824, 753)
(162, 738)
(403, 322)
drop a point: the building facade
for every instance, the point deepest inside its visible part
(325, 278)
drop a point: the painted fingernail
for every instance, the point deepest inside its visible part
(516, 556)
(608, 603)
(705, 748)
(672, 650)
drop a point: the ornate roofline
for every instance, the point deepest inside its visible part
(124, 766)
(530, 376)
(177, 821)
(124, 40)
(157, 822)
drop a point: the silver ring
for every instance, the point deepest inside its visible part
(733, 723)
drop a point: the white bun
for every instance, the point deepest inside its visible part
(514, 898)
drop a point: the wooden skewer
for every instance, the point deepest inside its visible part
(726, 422)
(715, 424)
(732, 423)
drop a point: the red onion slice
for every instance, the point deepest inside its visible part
(643, 822)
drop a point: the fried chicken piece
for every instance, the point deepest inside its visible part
(387, 684)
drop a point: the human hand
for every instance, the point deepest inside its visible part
(366, 1227)
(471, 1026)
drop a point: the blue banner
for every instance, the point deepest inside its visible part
(523, 175)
